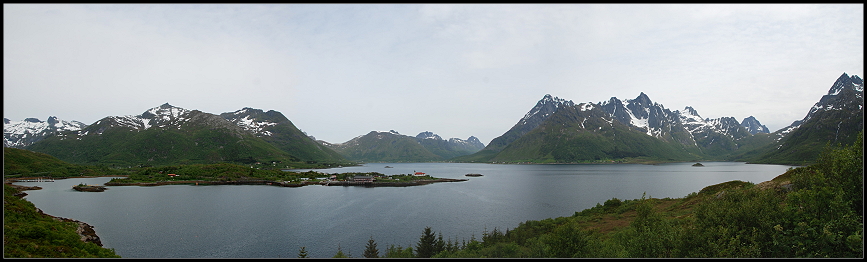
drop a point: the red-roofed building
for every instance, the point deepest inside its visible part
(418, 174)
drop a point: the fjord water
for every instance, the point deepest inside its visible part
(260, 221)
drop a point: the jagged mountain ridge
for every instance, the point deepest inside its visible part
(174, 135)
(699, 138)
(685, 130)
(391, 146)
(587, 133)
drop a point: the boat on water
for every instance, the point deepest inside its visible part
(473, 175)
(388, 167)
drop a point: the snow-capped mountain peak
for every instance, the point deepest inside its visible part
(164, 112)
(641, 113)
(832, 100)
(428, 135)
(19, 134)
(254, 120)
(545, 107)
(754, 126)
(160, 116)
(845, 81)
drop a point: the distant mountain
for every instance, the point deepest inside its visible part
(543, 109)
(391, 146)
(168, 135)
(586, 133)
(835, 119)
(754, 126)
(20, 134)
(469, 146)
(276, 129)
(451, 148)
(716, 137)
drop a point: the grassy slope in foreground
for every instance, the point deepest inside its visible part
(29, 233)
(813, 211)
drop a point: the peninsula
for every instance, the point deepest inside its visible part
(232, 174)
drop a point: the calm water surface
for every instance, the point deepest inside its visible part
(252, 221)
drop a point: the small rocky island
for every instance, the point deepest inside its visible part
(473, 175)
(88, 188)
(697, 164)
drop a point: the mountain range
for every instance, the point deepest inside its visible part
(172, 135)
(391, 146)
(19, 134)
(555, 130)
(561, 131)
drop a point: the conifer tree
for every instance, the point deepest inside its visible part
(370, 251)
(340, 253)
(425, 246)
(302, 253)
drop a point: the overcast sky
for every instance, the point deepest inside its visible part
(340, 71)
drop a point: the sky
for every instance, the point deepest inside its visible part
(338, 71)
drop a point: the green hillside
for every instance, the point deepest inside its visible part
(386, 147)
(25, 163)
(155, 146)
(284, 135)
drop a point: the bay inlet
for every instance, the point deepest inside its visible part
(260, 221)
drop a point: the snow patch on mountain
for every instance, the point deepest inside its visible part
(693, 122)
(19, 134)
(249, 124)
(160, 116)
(754, 126)
(428, 135)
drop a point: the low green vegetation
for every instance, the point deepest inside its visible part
(30, 234)
(226, 172)
(387, 147)
(25, 163)
(808, 212)
(124, 148)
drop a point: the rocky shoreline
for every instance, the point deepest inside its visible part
(84, 230)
